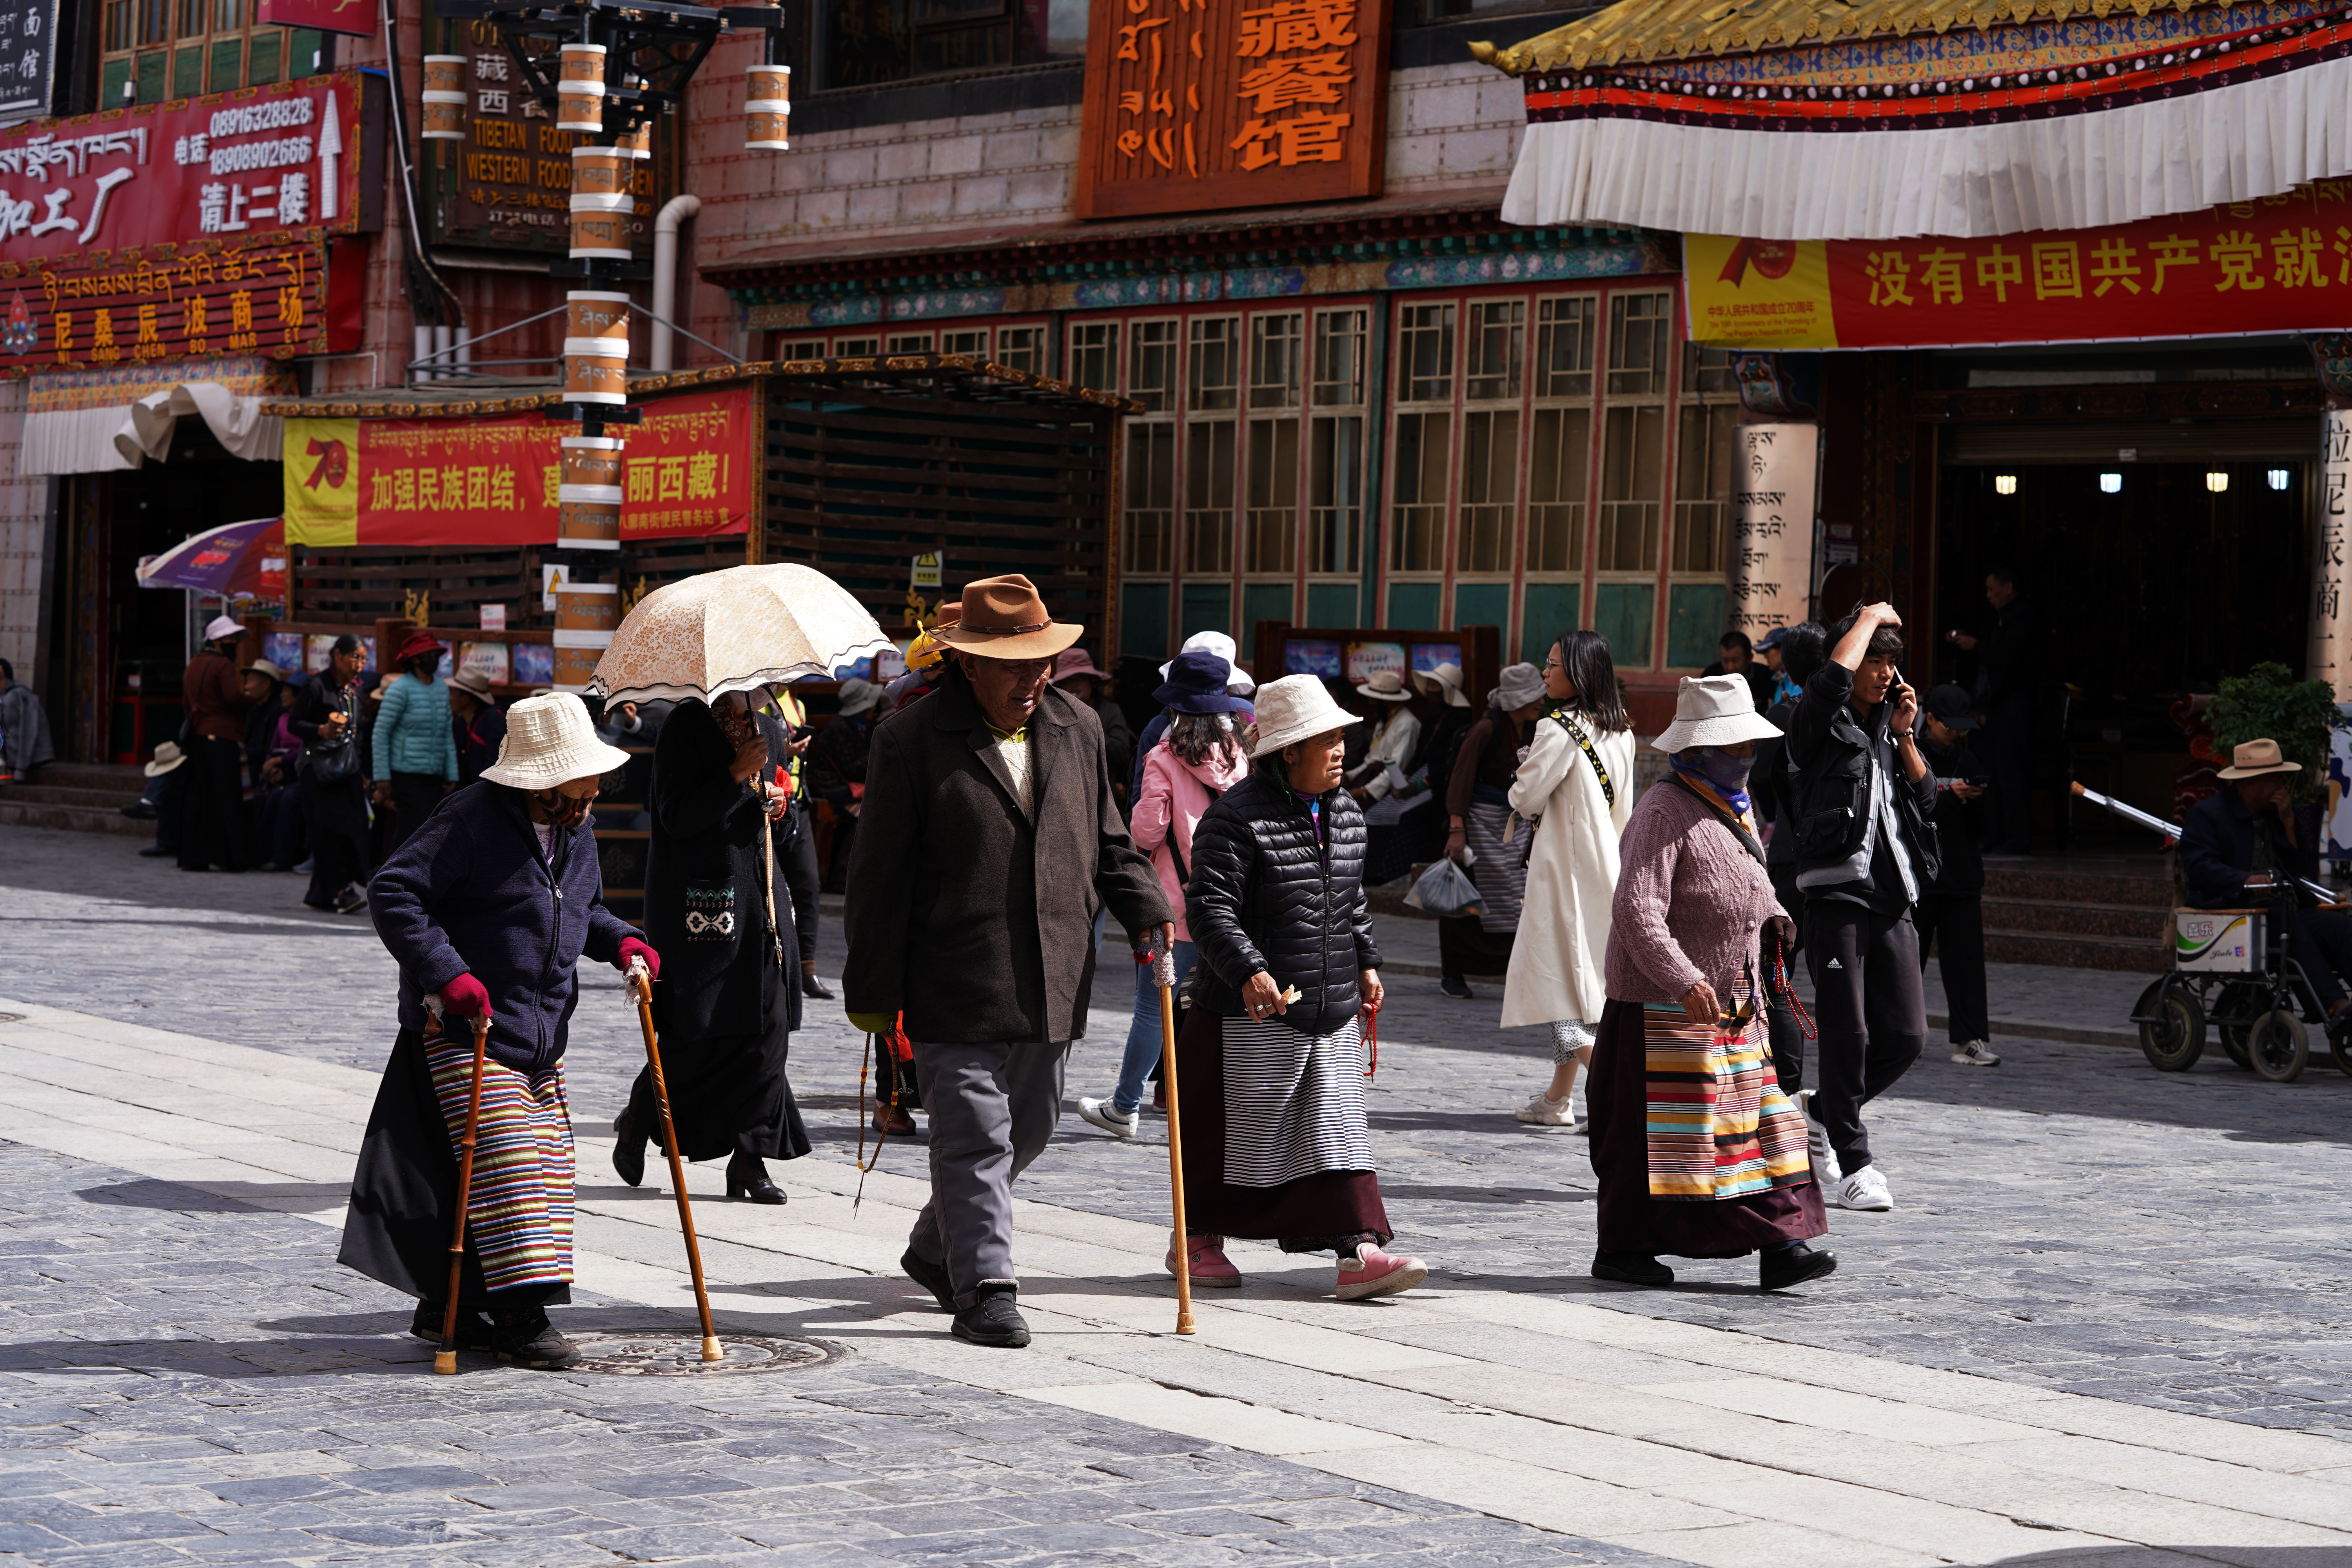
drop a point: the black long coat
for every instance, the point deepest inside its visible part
(706, 912)
(975, 923)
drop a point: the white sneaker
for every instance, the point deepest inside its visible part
(1817, 1143)
(1542, 1111)
(1865, 1190)
(1099, 1113)
(1975, 1054)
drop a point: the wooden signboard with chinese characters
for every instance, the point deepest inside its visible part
(1197, 106)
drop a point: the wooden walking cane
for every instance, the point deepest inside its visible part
(444, 1359)
(642, 988)
(1164, 971)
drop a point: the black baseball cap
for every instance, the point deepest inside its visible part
(1952, 706)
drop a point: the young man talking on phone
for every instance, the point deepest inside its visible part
(1866, 850)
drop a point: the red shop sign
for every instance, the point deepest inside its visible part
(271, 301)
(261, 165)
(356, 17)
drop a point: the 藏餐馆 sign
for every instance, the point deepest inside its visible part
(2278, 265)
(1250, 103)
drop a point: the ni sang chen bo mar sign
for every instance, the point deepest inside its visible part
(2282, 264)
(214, 226)
(1194, 107)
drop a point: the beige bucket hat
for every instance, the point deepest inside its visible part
(1714, 710)
(1292, 709)
(550, 740)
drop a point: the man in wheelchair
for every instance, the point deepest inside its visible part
(2244, 847)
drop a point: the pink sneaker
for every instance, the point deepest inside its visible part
(1372, 1272)
(1205, 1262)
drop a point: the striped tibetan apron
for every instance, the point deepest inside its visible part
(1293, 1103)
(519, 1210)
(1718, 1125)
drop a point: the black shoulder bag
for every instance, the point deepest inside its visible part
(331, 762)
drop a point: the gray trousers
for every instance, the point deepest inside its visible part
(992, 1108)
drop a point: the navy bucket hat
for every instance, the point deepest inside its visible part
(1196, 684)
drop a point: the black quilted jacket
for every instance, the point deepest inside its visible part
(1266, 894)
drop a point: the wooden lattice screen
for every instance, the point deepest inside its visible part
(871, 462)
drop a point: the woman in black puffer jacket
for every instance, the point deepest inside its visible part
(1272, 1059)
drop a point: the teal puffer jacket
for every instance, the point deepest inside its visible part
(412, 730)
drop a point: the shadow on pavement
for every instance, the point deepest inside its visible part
(238, 1197)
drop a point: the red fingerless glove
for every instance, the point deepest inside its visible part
(632, 947)
(465, 997)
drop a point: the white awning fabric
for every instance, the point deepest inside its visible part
(101, 439)
(2150, 158)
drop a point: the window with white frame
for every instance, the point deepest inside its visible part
(1335, 460)
(1021, 348)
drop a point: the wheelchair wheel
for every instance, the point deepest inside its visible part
(2277, 1047)
(2174, 1037)
(2239, 999)
(2340, 1045)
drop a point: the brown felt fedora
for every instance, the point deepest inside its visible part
(1002, 617)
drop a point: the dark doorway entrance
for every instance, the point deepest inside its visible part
(2154, 581)
(130, 644)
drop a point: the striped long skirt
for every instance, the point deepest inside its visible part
(519, 1210)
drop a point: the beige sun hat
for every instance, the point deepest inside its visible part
(1448, 676)
(2258, 757)
(1384, 686)
(167, 756)
(550, 740)
(1292, 709)
(1714, 710)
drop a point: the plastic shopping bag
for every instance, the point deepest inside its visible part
(1442, 890)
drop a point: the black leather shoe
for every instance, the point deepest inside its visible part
(746, 1178)
(473, 1329)
(628, 1149)
(932, 1277)
(811, 986)
(523, 1337)
(1793, 1265)
(994, 1319)
(1633, 1268)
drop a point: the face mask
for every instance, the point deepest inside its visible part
(554, 808)
(1719, 768)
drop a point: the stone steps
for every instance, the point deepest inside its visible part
(79, 797)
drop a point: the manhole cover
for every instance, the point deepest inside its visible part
(668, 1352)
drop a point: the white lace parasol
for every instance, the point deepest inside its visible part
(732, 631)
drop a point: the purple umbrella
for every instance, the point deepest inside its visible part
(235, 560)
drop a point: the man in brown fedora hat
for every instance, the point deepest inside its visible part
(989, 838)
(2246, 846)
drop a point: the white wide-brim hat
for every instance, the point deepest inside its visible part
(1296, 708)
(550, 740)
(221, 626)
(1714, 710)
(1218, 643)
(1384, 686)
(1448, 676)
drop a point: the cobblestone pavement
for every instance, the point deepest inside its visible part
(2071, 1224)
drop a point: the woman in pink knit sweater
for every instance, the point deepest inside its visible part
(1698, 1152)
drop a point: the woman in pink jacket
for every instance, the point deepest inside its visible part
(1199, 757)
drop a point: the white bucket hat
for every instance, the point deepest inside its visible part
(1448, 676)
(1292, 709)
(550, 741)
(1217, 643)
(221, 626)
(1714, 710)
(1521, 684)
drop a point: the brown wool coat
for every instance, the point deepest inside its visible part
(974, 922)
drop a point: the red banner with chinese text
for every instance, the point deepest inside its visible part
(2281, 264)
(492, 482)
(273, 300)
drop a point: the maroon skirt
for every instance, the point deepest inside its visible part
(1313, 1214)
(1617, 1099)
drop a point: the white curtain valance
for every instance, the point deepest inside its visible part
(123, 436)
(2154, 158)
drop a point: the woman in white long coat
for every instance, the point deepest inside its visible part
(1576, 780)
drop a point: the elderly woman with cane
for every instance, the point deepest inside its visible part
(1698, 1152)
(1273, 1058)
(729, 1003)
(488, 907)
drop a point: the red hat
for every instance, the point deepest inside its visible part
(418, 644)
